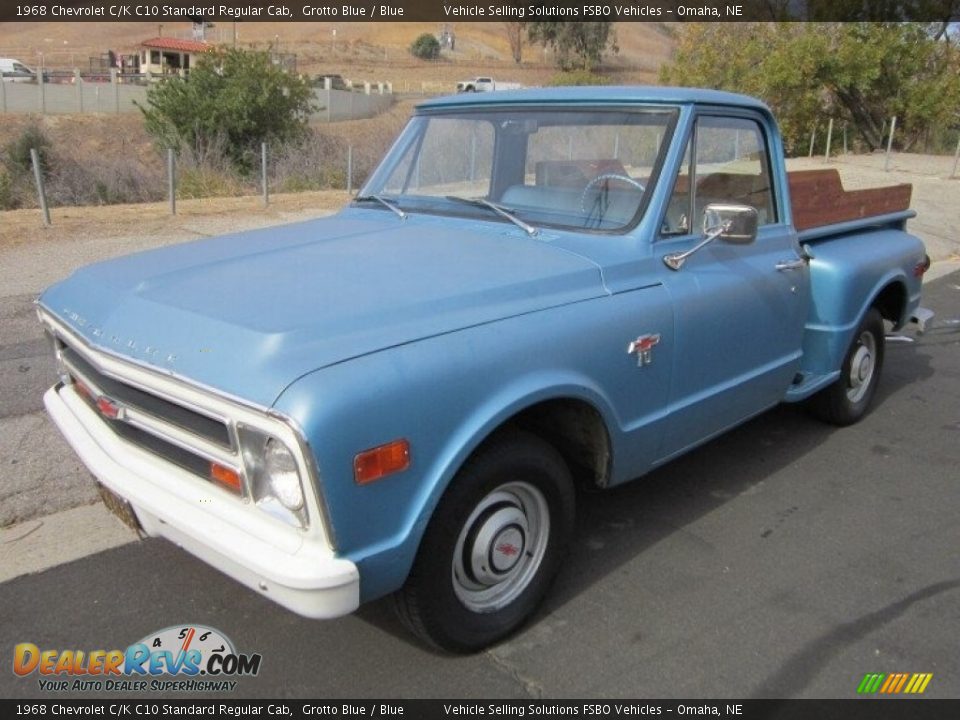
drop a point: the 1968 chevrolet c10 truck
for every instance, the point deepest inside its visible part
(534, 289)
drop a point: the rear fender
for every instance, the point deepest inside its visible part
(847, 276)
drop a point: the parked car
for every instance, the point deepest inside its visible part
(534, 289)
(336, 81)
(15, 71)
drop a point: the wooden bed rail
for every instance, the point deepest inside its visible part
(818, 199)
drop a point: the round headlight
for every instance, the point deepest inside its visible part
(281, 472)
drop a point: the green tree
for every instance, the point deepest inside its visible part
(231, 101)
(576, 45)
(426, 47)
(859, 74)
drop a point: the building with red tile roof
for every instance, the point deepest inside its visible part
(170, 56)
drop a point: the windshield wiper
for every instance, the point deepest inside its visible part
(499, 210)
(383, 201)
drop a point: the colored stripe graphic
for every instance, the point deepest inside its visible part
(894, 683)
(918, 683)
(870, 683)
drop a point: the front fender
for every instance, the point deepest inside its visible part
(446, 395)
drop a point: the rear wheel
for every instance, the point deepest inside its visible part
(849, 397)
(494, 544)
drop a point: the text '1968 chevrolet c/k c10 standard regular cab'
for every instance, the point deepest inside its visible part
(534, 289)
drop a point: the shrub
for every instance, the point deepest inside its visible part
(104, 180)
(17, 152)
(426, 47)
(239, 95)
(6, 191)
(308, 164)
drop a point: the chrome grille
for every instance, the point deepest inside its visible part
(206, 427)
(174, 432)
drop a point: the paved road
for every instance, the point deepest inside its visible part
(784, 559)
(38, 472)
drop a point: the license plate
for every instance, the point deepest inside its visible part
(119, 507)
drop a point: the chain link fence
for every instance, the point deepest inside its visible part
(58, 180)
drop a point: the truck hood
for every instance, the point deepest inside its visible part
(250, 313)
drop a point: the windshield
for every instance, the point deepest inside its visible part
(585, 169)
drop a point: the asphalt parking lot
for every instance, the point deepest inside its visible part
(785, 559)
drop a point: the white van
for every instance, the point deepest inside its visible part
(15, 71)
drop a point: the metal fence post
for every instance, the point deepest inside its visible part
(956, 160)
(116, 90)
(893, 128)
(263, 173)
(78, 83)
(844, 139)
(3, 96)
(172, 181)
(41, 92)
(349, 168)
(813, 136)
(41, 192)
(829, 139)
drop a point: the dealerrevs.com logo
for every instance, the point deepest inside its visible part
(178, 658)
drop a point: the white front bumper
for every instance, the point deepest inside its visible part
(301, 574)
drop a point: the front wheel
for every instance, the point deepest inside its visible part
(849, 397)
(494, 544)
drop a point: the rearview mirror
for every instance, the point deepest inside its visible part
(737, 223)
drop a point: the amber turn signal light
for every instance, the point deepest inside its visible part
(227, 477)
(381, 461)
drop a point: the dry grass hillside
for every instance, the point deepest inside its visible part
(372, 51)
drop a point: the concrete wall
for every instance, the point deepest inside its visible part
(106, 97)
(338, 105)
(56, 98)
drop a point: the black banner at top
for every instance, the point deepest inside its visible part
(938, 11)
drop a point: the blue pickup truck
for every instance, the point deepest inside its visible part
(535, 290)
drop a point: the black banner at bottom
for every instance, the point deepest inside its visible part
(860, 709)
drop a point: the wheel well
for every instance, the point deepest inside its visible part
(891, 302)
(576, 430)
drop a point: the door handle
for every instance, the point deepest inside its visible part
(785, 265)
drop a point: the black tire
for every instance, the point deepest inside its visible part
(515, 497)
(848, 399)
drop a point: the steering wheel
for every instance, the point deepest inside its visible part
(606, 177)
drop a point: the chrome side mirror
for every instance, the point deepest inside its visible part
(735, 224)
(738, 223)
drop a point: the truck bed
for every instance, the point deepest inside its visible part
(819, 199)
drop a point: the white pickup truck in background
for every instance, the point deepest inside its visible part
(485, 84)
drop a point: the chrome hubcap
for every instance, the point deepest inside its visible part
(500, 547)
(862, 366)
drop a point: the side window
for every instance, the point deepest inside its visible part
(730, 165)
